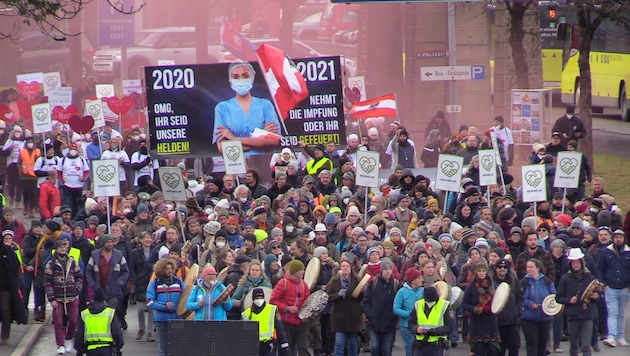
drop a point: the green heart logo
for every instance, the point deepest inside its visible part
(232, 153)
(41, 114)
(94, 110)
(106, 173)
(568, 165)
(487, 162)
(368, 164)
(533, 178)
(51, 81)
(449, 168)
(172, 180)
(105, 91)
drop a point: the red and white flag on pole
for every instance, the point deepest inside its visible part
(382, 106)
(284, 80)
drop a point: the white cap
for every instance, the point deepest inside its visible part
(163, 251)
(320, 228)
(575, 254)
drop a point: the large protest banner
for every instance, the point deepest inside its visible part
(192, 107)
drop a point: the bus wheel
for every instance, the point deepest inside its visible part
(623, 105)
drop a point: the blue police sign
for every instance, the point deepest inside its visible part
(114, 28)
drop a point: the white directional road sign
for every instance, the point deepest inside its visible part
(451, 73)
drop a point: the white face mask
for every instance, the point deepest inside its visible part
(209, 211)
(430, 304)
(30, 145)
(259, 302)
(73, 152)
(346, 200)
(126, 211)
(290, 228)
(220, 244)
(213, 282)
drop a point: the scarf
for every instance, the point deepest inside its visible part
(54, 236)
(485, 288)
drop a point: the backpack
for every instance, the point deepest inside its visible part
(375, 281)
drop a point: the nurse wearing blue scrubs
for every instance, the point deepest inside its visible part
(236, 118)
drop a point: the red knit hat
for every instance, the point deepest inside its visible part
(412, 274)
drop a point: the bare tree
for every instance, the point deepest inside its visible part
(590, 14)
(48, 16)
(517, 10)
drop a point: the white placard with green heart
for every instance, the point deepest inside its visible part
(449, 173)
(94, 108)
(104, 91)
(42, 119)
(172, 182)
(568, 170)
(487, 168)
(52, 80)
(105, 175)
(234, 157)
(534, 183)
(495, 147)
(367, 168)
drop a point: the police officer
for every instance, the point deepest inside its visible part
(431, 323)
(270, 328)
(98, 331)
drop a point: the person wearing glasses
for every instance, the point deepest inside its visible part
(509, 317)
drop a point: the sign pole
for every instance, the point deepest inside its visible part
(502, 182)
(109, 219)
(535, 212)
(488, 193)
(366, 205)
(564, 198)
(179, 218)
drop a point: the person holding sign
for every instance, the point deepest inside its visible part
(239, 117)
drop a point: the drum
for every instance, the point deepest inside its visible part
(362, 271)
(247, 302)
(500, 298)
(442, 272)
(550, 306)
(224, 295)
(312, 273)
(359, 288)
(313, 305)
(457, 296)
(222, 274)
(144, 196)
(592, 287)
(443, 289)
(189, 281)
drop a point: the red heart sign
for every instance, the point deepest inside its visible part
(29, 90)
(120, 106)
(353, 95)
(81, 125)
(63, 115)
(6, 114)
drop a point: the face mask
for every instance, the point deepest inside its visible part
(169, 206)
(242, 86)
(346, 200)
(126, 211)
(135, 138)
(17, 135)
(259, 302)
(144, 150)
(209, 211)
(143, 136)
(30, 145)
(1, 132)
(242, 200)
(73, 152)
(430, 304)
(220, 244)
(153, 204)
(290, 228)
(213, 282)
(114, 148)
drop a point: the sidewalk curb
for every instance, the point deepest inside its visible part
(28, 341)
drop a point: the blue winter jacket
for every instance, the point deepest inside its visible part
(159, 293)
(534, 292)
(199, 293)
(613, 267)
(405, 301)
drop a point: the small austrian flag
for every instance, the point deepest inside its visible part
(382, 106)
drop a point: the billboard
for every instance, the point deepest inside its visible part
(192, 108)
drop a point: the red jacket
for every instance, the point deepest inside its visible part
(285, 294)
(49, 199)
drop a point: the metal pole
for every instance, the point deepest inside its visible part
(535, 212)
(109, 219)
(366, 205)
(564, 198)
(452, 57)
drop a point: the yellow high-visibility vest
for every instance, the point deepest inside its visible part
(434, 320)
(98, 330)
(72, 252)
(313, 167)
(266, 321)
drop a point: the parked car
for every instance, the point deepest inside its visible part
(299, 50)
(41, 53)
(307, 29)
(167, 43)
(350, 37)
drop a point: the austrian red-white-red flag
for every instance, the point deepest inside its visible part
(382, 106)
(284, 80)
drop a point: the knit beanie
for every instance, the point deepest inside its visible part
(499, 251)
(319, 250)
(386, 263)
(388, 243)
(412, 274)
(208, 269)
(295, 266)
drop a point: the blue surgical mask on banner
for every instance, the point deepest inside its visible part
(242, 86)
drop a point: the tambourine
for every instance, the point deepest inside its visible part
(457, 296)
(313, 305)
(222, 274)
(500, 297)
(224, 295)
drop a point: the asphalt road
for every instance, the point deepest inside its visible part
(45, 346)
